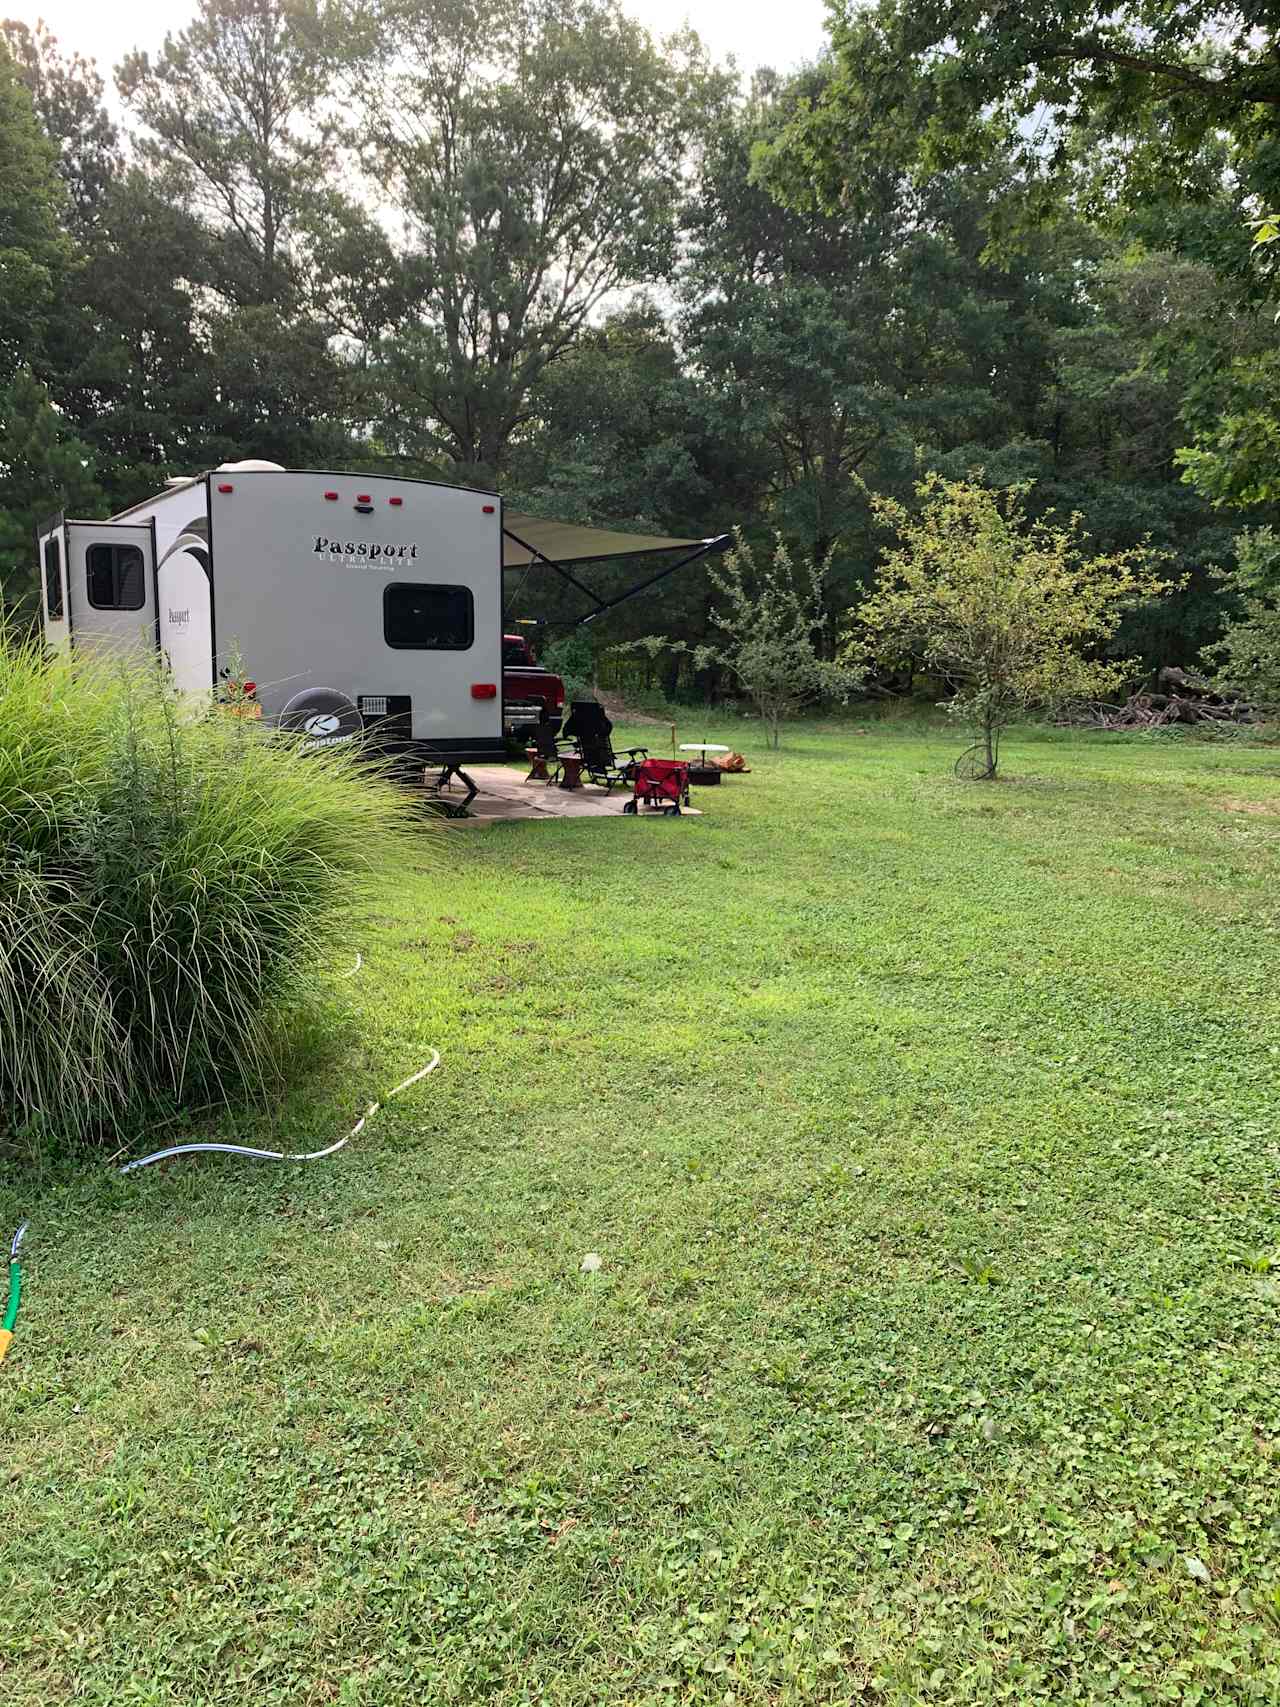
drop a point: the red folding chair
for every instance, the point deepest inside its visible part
(662, 784)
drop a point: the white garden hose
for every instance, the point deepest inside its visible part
(10, 1316)
(282, 1155)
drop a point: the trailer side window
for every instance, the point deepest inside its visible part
(115, 577)
(53, 577)
(428, 618)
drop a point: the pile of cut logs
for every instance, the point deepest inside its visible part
(1179, 697)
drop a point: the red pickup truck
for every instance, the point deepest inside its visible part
(527, 691)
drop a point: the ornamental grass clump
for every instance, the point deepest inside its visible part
(173, 882)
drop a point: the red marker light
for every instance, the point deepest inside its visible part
(251, 687)
(225, 488)
(484, 690)
(331, 497)
(396, 502)
(363, 498)
(489, 509)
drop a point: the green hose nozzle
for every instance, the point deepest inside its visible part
(15, 1295)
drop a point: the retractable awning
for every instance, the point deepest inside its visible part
(530, 542)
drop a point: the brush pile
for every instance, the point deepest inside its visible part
(1178, 697)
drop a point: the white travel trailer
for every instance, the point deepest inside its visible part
(351, 601)
(380, 594)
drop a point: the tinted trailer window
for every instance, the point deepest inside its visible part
(53, 577)
(428, 618)
(114, 576)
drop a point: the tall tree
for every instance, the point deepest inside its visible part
(120, 346)
(234, 110)
(134, 366)
(535, 178)
(251, 228)
(787, 320)
(66, 92)
(35, 252)
(42, 462)
(1123, 376)
(846, 343)
(43, 467)
(617, 432)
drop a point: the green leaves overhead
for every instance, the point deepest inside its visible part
(1136, 93)
(66, 93)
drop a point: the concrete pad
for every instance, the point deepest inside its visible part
(505, 796)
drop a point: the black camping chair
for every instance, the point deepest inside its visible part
(589, 726)
(548, 746)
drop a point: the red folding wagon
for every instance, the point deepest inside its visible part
(662, 784)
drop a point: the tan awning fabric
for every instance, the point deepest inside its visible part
(526, 539)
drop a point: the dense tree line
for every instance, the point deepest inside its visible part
(596, 272)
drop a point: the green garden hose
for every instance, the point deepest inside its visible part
(15, 1294)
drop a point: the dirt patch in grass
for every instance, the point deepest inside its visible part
(1259, 808)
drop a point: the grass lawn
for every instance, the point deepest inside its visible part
(928, 1133)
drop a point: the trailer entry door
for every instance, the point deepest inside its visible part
(51, 548)
(110, 583)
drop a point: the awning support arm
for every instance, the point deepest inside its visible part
(704, 550)
(539, 558)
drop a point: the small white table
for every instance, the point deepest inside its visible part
(705, 772)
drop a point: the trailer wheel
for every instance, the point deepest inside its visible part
(630, 807)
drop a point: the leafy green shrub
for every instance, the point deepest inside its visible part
(171, 881)
(571, 659)
(768, 624)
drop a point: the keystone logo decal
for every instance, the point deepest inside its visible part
(322, 725)
(179, 618)
(379, 554)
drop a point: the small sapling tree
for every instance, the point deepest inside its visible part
(1005, 610)
(768, 620)
(1247, 658)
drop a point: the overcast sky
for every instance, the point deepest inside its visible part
(755, 32)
